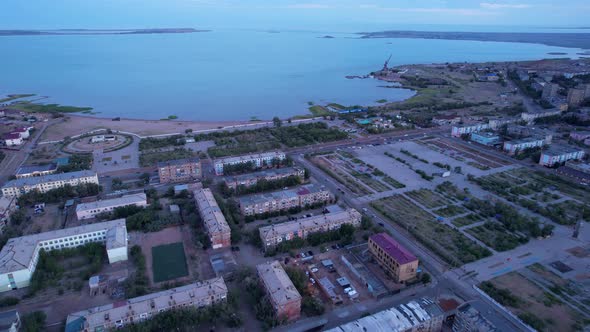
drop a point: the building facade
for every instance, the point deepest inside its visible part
(485, 138)
(34, 170)
(249, 180)
(48, 182)
(283, 296)
(302, 196)
(258, 160)
(575, 97)
(560, 154)
(529, 117)
(181, 170)
(12, 139)
(19, 257)
(396, 260)
(215, 224)
(7, 208)
(273, 235)
(422, 315)
(469, 319)
(119, 314)
(458, 131)
(550, 91)
(514, 147)
(91, 210)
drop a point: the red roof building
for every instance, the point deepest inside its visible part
(397, 261)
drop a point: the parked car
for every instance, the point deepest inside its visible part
(314, 270)
(312, 281)
(310, 253)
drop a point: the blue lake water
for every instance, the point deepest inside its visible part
(224, 75)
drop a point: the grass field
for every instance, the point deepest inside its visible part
(428, 198)
(169, 262)
(467, 220)
(450, 211)
(452, 246)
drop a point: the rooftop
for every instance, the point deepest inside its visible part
(11, 136)
(144, 304)
(393, 248)
(396, 319)
(18, 252)
(556, 150)
(36, 168)
(526, 140)
(210, 212)
(262, 174)
(120, 201)
(48, 178)
(277, 283)
(178, 162)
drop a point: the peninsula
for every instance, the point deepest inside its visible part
(97, 31)
(576, 40)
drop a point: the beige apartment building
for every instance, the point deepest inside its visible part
(283, 296)
(301, 196)
(397, 261)
(213, 219)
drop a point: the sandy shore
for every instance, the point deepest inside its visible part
(73, 125)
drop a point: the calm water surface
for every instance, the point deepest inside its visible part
(223, 75)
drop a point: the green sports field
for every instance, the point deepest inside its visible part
(169, 262)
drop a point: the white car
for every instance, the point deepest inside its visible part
(312, 281)
(314, 270)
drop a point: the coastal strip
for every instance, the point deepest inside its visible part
(61, 32)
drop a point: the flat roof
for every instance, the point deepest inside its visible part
(277, 283)
(17, 253)
(393, 248)
(555, 150)
(293, 226)
(396, 319)
(526, 140)
(48, 178)
(248, 157)
(210, 212)
(178, 162)
(119, 201)
(143, 304)
(36, 168)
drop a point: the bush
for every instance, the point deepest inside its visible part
(34, 321)
(8, 301)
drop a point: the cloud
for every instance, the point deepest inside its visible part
(489, 5)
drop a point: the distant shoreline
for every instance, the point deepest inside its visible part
(570, 40)
(69, 32)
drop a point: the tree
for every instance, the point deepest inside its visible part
(34, 321)
(425, 278)
(145, 177)
(458, 169)
(277, 122)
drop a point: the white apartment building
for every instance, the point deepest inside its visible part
(116, 315)
(458, 131)
(18, 258)
(514, 147)
(557, 154)
(273, 235)
(531, 116)
(47, 182)
(259, 160)
(91, 210)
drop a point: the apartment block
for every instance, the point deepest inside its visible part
(550, 91)
(180, 170)
(34, 170)
(251, 179)
(575, 97)
(469, 319)
(397, 261)
(283, 296)
(48, 182)
(213, 219)
(485, 138)
(516, 146)
(20, 255)
(119, 314)
(529, 117)
(92, 209)
(12, 139)
(283, 200)
(557, 154)
(459, 131)
(273, 235)
(423, 315)
(259, 160)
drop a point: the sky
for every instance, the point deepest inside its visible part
(320, 15)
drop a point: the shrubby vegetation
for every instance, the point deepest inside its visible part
(345, 236)
(152, 158)
(50, 267)
(502, 296)
(58, 195)
(137, 283)
(309, 305)
(77, 162)
(34, 321)
(8, 301)
(151, 143)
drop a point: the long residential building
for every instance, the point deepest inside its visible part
(119, 314)
(423, 315)
(215, 223)
(516, 146)
(35, 170)
(532, 116)
(273, 235)
(180, 170)
(259, 160)
(283, 296)
(48, 182)
(458, 131)
(397, 261)
(92, 209)
(18, 258)
(283, 200)
(251, 179)
(557, 154)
